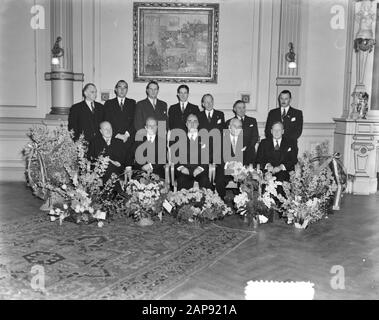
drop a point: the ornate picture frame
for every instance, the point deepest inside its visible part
(175, 42)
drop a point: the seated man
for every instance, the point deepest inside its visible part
(232, 139)
(151, 152)
(277, 154)
(107, 145)
(192, 169)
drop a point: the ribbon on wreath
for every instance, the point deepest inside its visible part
(335, 163)
(34, 153)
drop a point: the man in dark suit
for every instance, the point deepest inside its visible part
(151, 152)
(150, 107)
(291, 118)
(210, 119)
(178, 113)
(192, 169)
(108, 145)
(120, 113)
(85, 116)
(233, 150)
(250, 132)
(278, 154)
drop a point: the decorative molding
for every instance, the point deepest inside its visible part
(64, 75)
(288, 81)
(16, 106)
(290, 18)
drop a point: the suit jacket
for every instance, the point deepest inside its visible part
(158, 166)
(145, 109)
(121, 120)
(177, 119)
(250, 139)
(196, 159)
(82, 120)
(293, 122)
(239, 151)
(286, 155)
(217, 120)
(116, 152)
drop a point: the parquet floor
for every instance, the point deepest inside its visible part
(348, 239)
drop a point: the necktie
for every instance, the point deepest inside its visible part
(234, 143)
(93, 107)
(154, 103)
(182, 107)
(277, 147)
(209, 116)
(122, 105)
(283, 114)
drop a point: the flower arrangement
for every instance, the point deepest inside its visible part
(309, 193)
(144, 196)
(197, 205)
(256, 202)
(84, 197)
(47, 155)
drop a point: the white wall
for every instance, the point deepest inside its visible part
(24, 57)
(103, 51)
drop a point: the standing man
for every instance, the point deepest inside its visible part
(85, 116)
(120, 113)
(250, 132)
(210, 118)
(178, 113)
(291, 118)
(150, 107)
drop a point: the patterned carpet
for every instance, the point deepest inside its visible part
(119, 261)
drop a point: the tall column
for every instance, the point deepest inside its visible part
(62, 75)
(289, 78)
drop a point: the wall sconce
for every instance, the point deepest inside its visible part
(290, 57)
(56, 52)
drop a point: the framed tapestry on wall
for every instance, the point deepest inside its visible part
(175, 42)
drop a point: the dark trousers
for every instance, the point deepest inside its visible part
(186, 181)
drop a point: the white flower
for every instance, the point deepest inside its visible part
(91, 210)
(77, 209)
(65, 206)
(64, 187)
(52, 218)
(51, 212)
(100, 224)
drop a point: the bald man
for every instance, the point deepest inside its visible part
(85, 116)
(112, 147)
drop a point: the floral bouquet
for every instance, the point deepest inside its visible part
(144, 196)
(256, 202)
(84, 197)
(309, 194)
(197, 205)
(47, 155)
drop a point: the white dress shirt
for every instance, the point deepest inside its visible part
(153, 102)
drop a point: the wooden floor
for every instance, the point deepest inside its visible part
(349, 238)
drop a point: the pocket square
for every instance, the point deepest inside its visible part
(203, 146)
(218, 121)
(293, 119)
(289, 149)
(252, 125)
(243, 149)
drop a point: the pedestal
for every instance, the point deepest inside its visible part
(357, 142)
